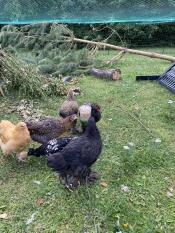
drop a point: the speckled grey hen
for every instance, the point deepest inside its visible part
(49, 128)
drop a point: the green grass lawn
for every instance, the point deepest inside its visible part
(148, 168)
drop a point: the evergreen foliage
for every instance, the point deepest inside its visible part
(52, 52)
(15, 75)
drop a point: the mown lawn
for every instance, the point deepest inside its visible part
(147, 168)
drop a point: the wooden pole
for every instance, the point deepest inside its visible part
(126, 50)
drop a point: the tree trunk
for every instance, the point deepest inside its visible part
(126, 50)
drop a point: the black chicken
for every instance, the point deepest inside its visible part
(75, 160)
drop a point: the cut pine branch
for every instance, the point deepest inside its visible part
(126, 50)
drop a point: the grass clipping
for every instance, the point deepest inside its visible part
(26, 80)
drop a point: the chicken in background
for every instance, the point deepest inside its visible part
(13, 138)
(70, 105)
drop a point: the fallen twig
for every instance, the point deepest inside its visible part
(116, 58)
(135, 118)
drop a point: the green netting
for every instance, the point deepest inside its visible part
(86, 11)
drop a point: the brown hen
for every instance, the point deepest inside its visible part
(49, 128)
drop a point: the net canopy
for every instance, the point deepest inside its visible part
(86, 11)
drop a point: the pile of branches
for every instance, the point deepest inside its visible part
(15, 75)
